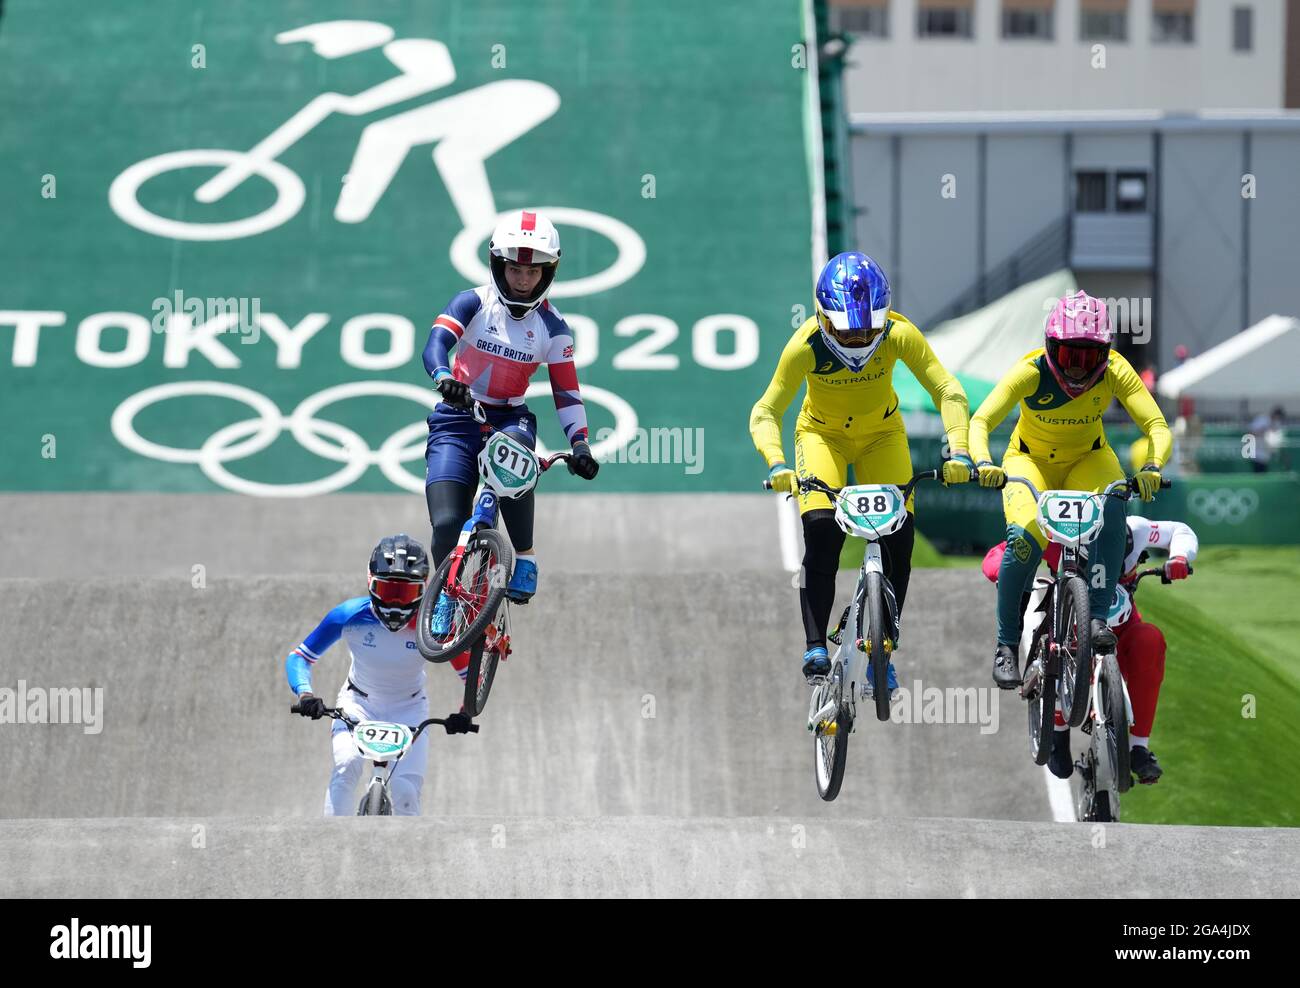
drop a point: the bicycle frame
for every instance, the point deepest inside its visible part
(486, 503)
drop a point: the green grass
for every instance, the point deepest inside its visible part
(1233, 631)
(1233, 634)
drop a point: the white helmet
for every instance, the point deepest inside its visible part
(524, 237)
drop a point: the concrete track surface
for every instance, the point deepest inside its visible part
(646, 738)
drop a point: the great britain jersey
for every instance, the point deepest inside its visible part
(497, 355)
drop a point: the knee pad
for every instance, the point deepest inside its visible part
(1022, 547)
(822, 541)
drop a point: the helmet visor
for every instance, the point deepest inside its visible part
(396, 593)
(849, 336)
(1079, 359)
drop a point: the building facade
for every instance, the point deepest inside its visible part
(910, 56)
(1193, 216)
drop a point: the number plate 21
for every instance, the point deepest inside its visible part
(1069, 516)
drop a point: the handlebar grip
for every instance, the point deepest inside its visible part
(295, 708)
(767, 485)
(1165, 485)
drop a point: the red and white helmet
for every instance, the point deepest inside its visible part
(1078, 342)
(524, 237)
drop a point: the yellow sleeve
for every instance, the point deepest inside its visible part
(791, 370)
(1017, 384)
(1141, 407)
(945, 391)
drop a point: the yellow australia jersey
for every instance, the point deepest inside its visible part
(1057, 427)
(840, 400)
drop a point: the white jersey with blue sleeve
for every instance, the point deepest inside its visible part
(386, 665)
(1173, 536)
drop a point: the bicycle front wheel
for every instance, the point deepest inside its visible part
(373, 803)
(1073, 636)
(477, 595)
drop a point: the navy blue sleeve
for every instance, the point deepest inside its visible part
(446, 332)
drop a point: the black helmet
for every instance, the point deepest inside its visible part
(398, 569)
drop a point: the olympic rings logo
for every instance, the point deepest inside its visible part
(1224, 505)
(328, 440)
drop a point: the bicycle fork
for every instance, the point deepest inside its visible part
(485, 515)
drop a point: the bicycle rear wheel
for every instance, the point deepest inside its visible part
(1042, 708)
(1115, 741)
(877, 633)
(478, 591)
(831, 750)
(1072, 632)
(1091, 806)
(479, 675)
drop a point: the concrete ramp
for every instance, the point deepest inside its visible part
(647, 738)
(639, 856)
(638, 694)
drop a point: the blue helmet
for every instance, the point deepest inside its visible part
(853, 307)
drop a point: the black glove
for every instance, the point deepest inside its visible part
(458, 723)
(454, 392)
(582, 462)
(311, 706)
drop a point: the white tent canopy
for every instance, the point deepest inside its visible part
(986, 342)
(1260, 365)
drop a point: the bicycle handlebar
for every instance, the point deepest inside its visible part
(814, 483)
(1122, 489)
(475, 408)
(1160, 572)
(453, 724)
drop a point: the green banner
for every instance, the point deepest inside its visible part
(229, 225)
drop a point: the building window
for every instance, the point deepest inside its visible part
(1173, 22)
(1243, 28)
(1103, 25)
(1034, 23)
(1090, 192)
(944, 22)
(867, 22)
(1131, 192)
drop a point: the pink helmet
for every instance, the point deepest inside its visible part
(1078, 342)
